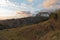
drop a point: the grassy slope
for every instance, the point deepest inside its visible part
(48, 30)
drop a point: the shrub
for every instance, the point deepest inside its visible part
(54, 15)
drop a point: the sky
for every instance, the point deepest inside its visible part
(11, 7)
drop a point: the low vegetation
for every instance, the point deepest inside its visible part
(47, 30)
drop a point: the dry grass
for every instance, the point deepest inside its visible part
(48, 30)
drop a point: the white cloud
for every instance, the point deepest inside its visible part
(25, 7)
(6, 3)
(20, 7)
(7, 12)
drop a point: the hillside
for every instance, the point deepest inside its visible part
(47, 30)
(13, 23)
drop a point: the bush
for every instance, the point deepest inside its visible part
(54, 15)
(51, 15)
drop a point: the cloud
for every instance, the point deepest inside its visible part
(7, 13)
(39, 6)
(6, 3)
(11, 5)
(25, 7)
(21, 7)
(22, 14)
(4, 8)
(49, 3)
(30, 1)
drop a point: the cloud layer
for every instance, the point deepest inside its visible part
(7, 10)
(30, 1)
(23, 6)
(48, 3)
(51, 4)
(6, 3)
(27, 5)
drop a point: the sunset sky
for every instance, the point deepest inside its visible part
(11, 7)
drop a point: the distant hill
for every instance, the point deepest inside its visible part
(12, 23)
